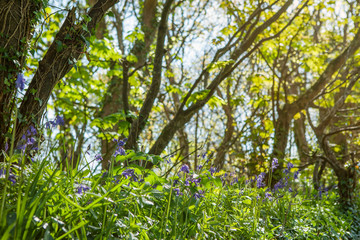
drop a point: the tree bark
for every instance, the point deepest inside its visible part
(16, 27)
(139, 124)
(56, 63)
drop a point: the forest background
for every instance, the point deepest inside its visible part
(241, 82)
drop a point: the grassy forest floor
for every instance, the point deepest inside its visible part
(40, 201)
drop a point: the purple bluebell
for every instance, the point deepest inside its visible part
(296, 174)
(119, 142)
(82, 188)
(30, 141)
(22, 147)
(185, 168)
(178, 192)
(98, 157)
(199, 195)
(11, 177)
(33, 130)
(187, 183)
(274, 164)
(260, 179)
(48, 124)
(234, 181)
(268, 195)
(290, 165)
(212, 170)
(6, 146)
(119, 151)
(20, 81)
(128, 173)
(196, 181)
(279, 185)
(59, 121)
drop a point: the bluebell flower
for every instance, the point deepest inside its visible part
(128, 173)
(200, 167)
(176, 181)
(33, 130)
(119, 142)
(290, 166)
(296, 174)
(2, 172)
(22, 147)
(268, 195)
(59, 121)
(178, 192)
(98, 157)
(212, 170)
(279, 185)
(196, 181)
(82, 188)
(187, 183)
(234, 181)
(185, 168)
(260, 179)
(6, 146)
(274, 164)
(11, 178)
(20, 81)
(30, 141)
(199, 195)
(119, 151)
(49, 124)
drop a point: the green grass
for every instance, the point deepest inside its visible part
(44, 204)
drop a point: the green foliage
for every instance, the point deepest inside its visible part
(138, 203)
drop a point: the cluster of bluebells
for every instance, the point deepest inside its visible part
(28, 139)
(229, 178)
(284, 182)
(58, 121)
(321, 191)
(11, 178)
(130, 173)
(120, 147)
(189, 180)
(213, 170)
(260, 180)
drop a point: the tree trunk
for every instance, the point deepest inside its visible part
(56, 63)
(16, 19)
(346, 187)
